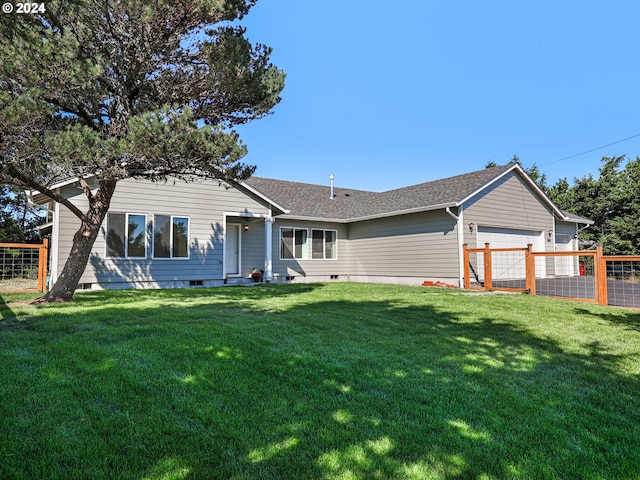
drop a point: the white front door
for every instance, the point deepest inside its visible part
(232, 250)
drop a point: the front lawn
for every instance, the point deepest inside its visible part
(318, 381)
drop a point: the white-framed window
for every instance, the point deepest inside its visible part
(323, 244)
(293, 243)
(126, 235)
(170, 236)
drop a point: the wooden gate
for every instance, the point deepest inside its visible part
(23, 267)
(502, 269)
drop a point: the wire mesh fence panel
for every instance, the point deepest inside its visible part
(565, 275)
(623, 282)
(20, 267)
(508, 269)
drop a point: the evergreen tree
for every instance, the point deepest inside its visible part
(103, 90)
(18, 219)
(611, 200)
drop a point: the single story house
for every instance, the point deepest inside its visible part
(207, 233)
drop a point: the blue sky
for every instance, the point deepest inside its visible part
(387, 94)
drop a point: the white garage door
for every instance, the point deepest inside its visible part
(510, 238)
(510, 265)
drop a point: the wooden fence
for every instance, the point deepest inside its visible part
(23, 265)
(585, 275)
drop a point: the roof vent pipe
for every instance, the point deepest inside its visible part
(331, 177)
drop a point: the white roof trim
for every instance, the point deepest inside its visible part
(263, 197)
(311, 219)
(569, 217)
(395, 213)
(45, 225)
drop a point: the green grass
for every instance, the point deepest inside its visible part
(318, 381)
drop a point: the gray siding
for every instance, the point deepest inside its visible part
(203, 202)
(508, 203)
(566, 228)
(416, 245)
(311, 267)
(252, 247)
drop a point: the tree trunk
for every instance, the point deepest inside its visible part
(83, 240)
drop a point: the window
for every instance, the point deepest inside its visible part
(126, 235)
(293, 243)
(170, 237)
(323, 244)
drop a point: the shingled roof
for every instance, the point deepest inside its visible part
(314, 201)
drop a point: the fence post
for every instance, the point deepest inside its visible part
(43, 256)
(601, 277)
(530, 274)
(488, 274)
(465, 259)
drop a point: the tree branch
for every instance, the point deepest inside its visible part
(86, 189)
(80, 112)
(31, 183)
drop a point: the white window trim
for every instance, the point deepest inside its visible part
(153, 242)
(323, 230)
(307, 257)
(126, 237)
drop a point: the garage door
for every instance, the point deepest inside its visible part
(510, 265)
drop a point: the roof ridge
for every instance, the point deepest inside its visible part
(321, 185)
(498, 168)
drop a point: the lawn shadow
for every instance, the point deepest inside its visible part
(615, 315)
(5, 310)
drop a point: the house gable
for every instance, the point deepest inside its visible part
(509, 202)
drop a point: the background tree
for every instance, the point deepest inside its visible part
(103, 90)
(18, 219)
(534, 172)
(612, 201)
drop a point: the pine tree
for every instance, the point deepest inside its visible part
(103, 90)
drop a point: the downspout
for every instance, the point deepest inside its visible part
(459, 220)
(578, 230)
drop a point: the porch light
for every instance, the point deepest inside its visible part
(549, 234)
(246, 227)
(472, 226)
